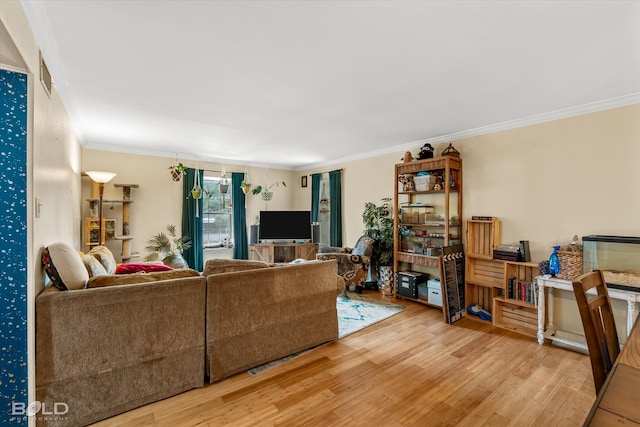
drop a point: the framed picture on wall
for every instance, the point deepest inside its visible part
(303, 181)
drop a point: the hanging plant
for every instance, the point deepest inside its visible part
(224, 182)
(245, 187)
(266, 192)
(177, 171)
(196, 191)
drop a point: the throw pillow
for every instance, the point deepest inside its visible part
(64, 267)
(133, 267)
(93, 266)
(104, 255)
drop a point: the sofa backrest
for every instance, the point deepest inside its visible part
(216, 266)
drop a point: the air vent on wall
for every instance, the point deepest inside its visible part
(45, 76)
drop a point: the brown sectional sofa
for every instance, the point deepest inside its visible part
(106, 350)
(262, 314)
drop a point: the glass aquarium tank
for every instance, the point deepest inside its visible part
(617, 256)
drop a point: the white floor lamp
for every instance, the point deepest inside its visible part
(101, 178)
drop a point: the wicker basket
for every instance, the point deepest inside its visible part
(570, 264)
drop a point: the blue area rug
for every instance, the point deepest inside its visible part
(355, 312)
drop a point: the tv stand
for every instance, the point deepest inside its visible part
(282, 252)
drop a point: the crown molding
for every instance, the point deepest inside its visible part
(593, 107)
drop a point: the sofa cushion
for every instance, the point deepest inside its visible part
(131, 279)
(64, 267)
(216, 266)
(141, 267)
(104, 255)
(93, 266)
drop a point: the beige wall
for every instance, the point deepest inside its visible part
(54, 162)
(545, 182)
(158, 201)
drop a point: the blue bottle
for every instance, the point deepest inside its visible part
(554, 264)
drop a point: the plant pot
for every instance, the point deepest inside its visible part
(267, 195)
(176, 175)
(175, 261)
(224, 188)
(385, 280)
(245, 188)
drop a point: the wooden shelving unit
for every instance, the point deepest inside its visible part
(424, 232)
(108, 224)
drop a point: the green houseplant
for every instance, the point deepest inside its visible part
(378, 222)
(267, 194)
(177, 171)
(170, 247)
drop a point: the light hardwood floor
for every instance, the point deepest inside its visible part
(409, 370)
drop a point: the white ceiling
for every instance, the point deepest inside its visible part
(299, 83)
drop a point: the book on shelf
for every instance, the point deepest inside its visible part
(522, 290)
(481, 218)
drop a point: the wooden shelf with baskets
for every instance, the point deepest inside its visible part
(427, 214)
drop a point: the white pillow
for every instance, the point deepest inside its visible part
(64, 267)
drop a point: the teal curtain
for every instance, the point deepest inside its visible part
(335, 205)
(240, 243)
(315, 196)
(192, 220)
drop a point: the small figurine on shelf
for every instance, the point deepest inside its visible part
(408, 184)
(407, 157)
(426, 152)
(450, 151)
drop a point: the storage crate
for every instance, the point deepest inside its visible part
(407, 283)
(410, 217)
(423, 292)
(517, 318)
(424, 182)
(435, 292)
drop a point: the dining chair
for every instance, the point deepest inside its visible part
(599, 326)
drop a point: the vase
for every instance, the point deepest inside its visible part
(175, 261)
(385, 280)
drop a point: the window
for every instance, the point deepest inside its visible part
(217, 215)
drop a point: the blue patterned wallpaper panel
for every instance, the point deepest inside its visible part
(13, 245)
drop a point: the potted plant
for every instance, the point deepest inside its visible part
(169, 247)
(177, 171)
(378, 222)
(267, 194)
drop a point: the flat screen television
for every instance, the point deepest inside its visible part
(285, 225)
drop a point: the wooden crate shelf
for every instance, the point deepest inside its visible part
(485, 272)
(521, 317)
(482, 237)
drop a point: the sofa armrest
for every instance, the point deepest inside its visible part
(345, 259)
(334, 250)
